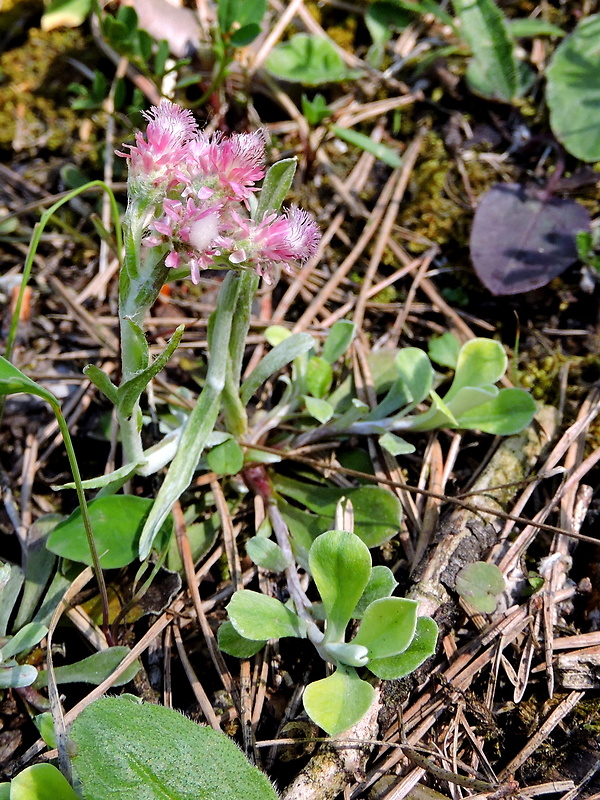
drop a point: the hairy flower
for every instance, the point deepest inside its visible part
(228, 167)
(279, 240)
(194, 192)
(155, 158)
(189, 232)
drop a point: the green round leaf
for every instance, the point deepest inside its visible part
(388, 626)
(260, 617)
(420, 649)
(338, 702)
(266, 554)
(480, 584)
(117, 522)
(381, 584)
(232, 643)
(481, 362)
(573, 91)
(41, 782)
(148, 752)
(226, 458)
(508, 413)
(310, 60)
(340, 564)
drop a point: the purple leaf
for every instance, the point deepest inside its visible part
(521, 239)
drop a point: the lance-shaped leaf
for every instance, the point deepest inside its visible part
(494, 70)
(23, 640)
(129, 393)
(338, 340)
(340, 564)
(388, 626)
(13, 381)
(93, 669)
(101, 380)
(287, 350)
(275, 187)
(260, 617)
(338, 702)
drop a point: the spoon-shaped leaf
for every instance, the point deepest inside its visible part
(388, 626)
(338, 702)
(340, 564)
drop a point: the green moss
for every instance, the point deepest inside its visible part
(34, 109)
(436, 206)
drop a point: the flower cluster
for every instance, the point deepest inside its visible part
(200, 188)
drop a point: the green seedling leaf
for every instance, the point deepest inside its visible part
(396, 445)
(93, 669)
(481, 362)
(17, 676)
(267, 554)
(39, 564)
(309, 60)
(340, 564)
(321, 410)
(338, 702)
(129, 393)
(230, 642)
(351, 655)
(319, 376)
(240, 12)
(481, 584)
(573, 92)
(12, 581)
(274, 189)
(397, 397)
(41, 782)
(257, 616)
(417, 373)
(13, 381)
(470, 397)
(245, 35)
(157, 753)
(528, 27)
(101, 380)
(388, 626)
(226, 458)
(275, 334)
(118, 477)
(377, 149)
(315, 110)
(444, 350)
(117, 521)
(65, 14)
(419, 650)
(45, 725)
(438, 416)
(287, 349)
(338, 340)
(510, 412)
(493, 69)
(23, 641)
(381, 584)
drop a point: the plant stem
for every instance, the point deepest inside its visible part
(201, 421)
(85, 516)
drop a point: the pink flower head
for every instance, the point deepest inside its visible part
(154, 158)
(280, 240)
(189, 231)
(229, 167)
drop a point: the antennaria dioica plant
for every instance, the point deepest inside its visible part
(194, 203)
